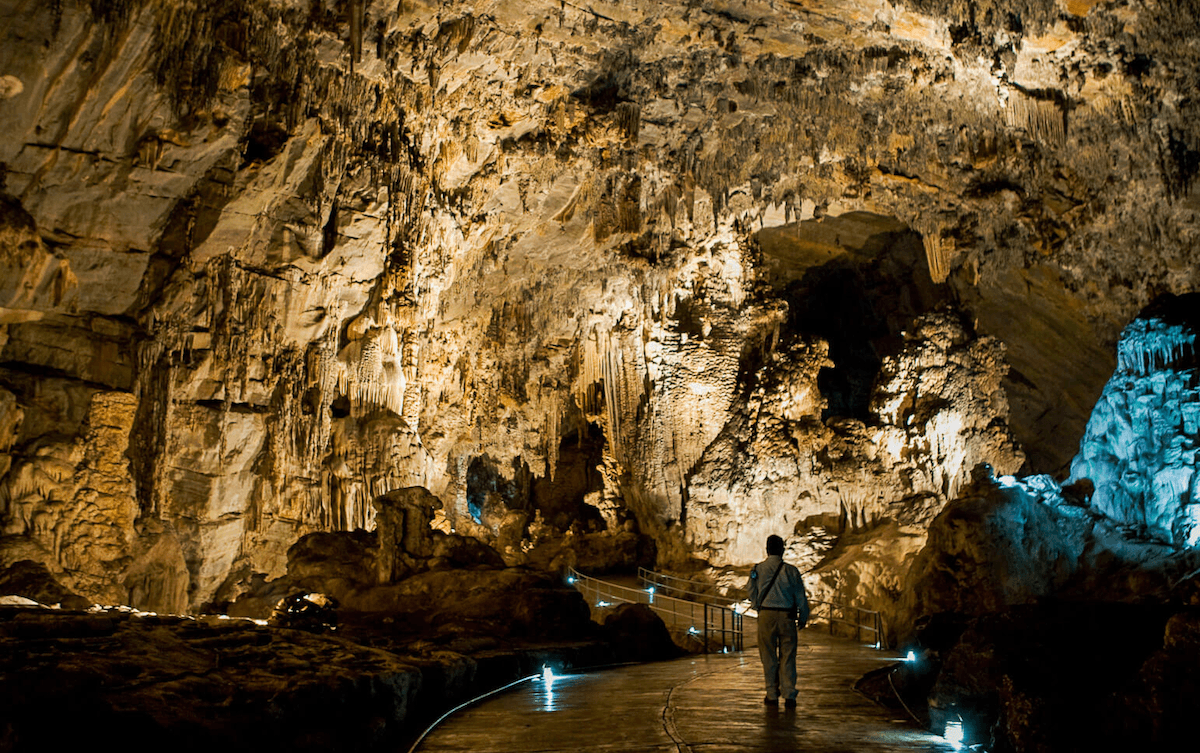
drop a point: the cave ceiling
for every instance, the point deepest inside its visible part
(266, 260)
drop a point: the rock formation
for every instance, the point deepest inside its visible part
(1049, 617)
(409, 304)
(937, 412)
(630, 264)
(1139, 450)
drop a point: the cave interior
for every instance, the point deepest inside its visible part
(335, 333)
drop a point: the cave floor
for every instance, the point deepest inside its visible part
(707, 703)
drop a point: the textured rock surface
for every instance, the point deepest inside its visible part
(1020, 542)
(175, 682)
(1041, 623)
(1139, 450)
(938, 411)
(1017, 691)
(266, 261)
(188, 684)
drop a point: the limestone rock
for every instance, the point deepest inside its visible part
(351, 558)
(639, 634)
(942, 394)
(33, 581)
(403, 519)
(1014, 690)
(1000, 548)
(196, 684)
(1003, 545)
(595, 553)
(329, 255)
(1139, 451)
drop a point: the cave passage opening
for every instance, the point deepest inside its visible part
(855, 280)
(561, 500)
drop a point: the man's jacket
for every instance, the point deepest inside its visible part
(787, 593)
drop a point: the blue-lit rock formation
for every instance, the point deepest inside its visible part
(1139, 450)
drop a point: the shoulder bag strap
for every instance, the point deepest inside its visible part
(763, 596)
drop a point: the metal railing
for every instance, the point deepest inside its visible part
(714, 625)
(863, 621)
(671, 585)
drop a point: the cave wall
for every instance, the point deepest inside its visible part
(265, 261)
(1138, 455)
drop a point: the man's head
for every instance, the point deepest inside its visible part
(774, 545)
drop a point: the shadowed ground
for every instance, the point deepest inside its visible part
(703, 703)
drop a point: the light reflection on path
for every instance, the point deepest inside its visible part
(711, 703)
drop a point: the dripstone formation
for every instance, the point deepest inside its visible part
(634, 264)
(381, 300)
(619, 283)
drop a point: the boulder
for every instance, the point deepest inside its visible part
(451, 550)
(334, 561)
(595, 553)
(638, 634)
(995, 548)
(33, 581)
(192, 685)
(1053, 677)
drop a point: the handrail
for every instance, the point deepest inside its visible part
(707, 623)
(663, 580)
(864, 620)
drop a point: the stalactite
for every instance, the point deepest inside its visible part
(552, 432)
(1042, 119)
(356, 29)
(938, 250)
(629, 116)
(411, 406)
(455, 33)
(1150, 344)
(602, 363)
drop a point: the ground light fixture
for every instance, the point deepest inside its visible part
(954, 733)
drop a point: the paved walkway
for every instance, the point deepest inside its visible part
(702, 704)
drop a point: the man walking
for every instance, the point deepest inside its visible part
(777, 592)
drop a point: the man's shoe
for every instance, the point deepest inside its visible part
(790, 703)
(771, 701)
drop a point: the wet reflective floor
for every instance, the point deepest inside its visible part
(708, 704)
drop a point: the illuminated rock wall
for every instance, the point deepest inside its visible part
(264, 261)
(777, 468)
(1139, 452)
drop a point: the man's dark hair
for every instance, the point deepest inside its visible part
(774, 545)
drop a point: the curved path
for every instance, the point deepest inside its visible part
(700, 704)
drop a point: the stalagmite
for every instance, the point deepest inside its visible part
(338, 248)
(1139, 450)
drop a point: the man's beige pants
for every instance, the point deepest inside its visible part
(777, 650)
